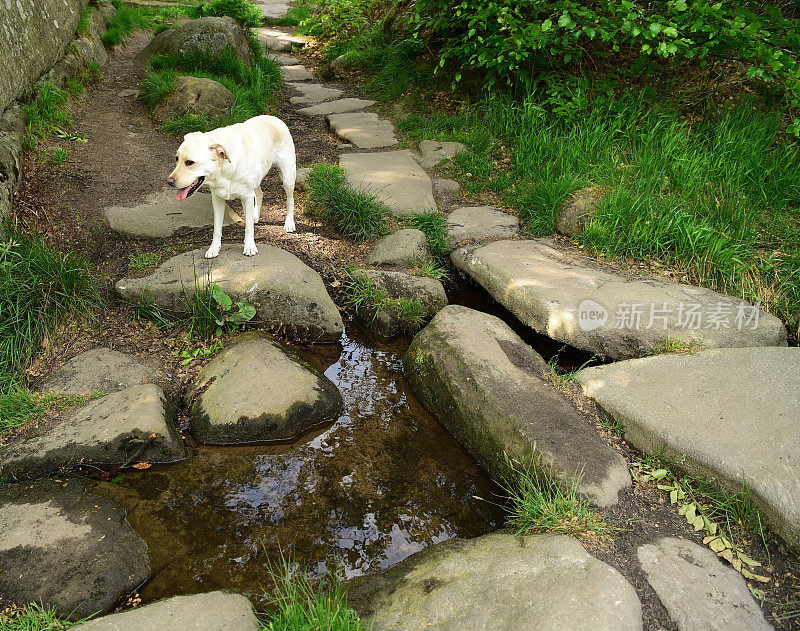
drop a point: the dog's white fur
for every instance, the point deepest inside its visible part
(233, 160)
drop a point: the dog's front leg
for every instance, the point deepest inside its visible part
(249, 204)
(218, 204)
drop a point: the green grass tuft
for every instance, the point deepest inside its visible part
(129, 19)
(369, 300)
(19, 406)
(294, 17)
(35, 617)
(60, 155)
(243, 11)
(85, 23)
(140, 261)
(434, 225)
(354, 214)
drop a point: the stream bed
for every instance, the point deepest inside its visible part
(357, 496)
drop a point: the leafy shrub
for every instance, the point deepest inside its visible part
(128, 19)
(339, 19)
(244, 12)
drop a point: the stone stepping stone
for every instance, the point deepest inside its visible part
(487, 387)
(273, 9)
(161, 215)
(282, 59)
(403, 248)
(98, 370)
(296, 73)
(500, 582)
(255, 391)
(433, 152)
(279, 41)
(394, 177)
(388, 321)
(66, 548)
(445, 186)
(568, 299)
(366, 130)
(474, 223)
(312, 93)
(212, 611)
(698, 591)
(124, 427)
(732, 415)
(288, 295)
(336, 107)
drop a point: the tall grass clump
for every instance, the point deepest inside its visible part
(354, 214)
(298, 602)
(40, 288)
(34, 617)
(128, 19)
(46, 112)
(245, 12)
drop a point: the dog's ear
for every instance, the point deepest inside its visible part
(219, 152)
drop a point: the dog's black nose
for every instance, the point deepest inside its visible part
(171, 181)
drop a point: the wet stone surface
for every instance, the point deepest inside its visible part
(382, 482)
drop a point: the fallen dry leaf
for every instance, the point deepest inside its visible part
(142, 465)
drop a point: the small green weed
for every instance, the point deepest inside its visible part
(430, 269)
(34, 617)
(140, 261)
(191, 351)
(354, 214)
(75, 87)
(540, 503)
(563, 379)
(300, 603)
(434, 225)
(92, 73)
(46, 112)
(156, 87)
(59, 156)
(368, 300)
(678, 346)
(212, 311)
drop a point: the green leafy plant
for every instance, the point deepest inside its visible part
(354, 214)
(59, 156)
(700, 504)
(140, 261)
(369, 300)
(212, 311)
(430, 268)
(190, 351)
(128, 19)
(244, 12)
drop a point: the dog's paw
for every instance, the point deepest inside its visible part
(212, 252)
(250, 249)
(257, 217)
(289, 226)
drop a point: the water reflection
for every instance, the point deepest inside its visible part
(384, 481)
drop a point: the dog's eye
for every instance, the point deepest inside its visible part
(189, 163)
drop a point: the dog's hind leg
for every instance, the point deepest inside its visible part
(288, 169)
(259, 195)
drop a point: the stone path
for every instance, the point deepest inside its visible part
(731, 415)
(479, 223)
(365, 130)
(402, 248)
(336, 107)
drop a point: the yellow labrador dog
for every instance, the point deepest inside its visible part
(232, 161)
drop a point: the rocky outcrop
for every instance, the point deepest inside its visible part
(256, 391)
(289, 296)
(211, 34)
(197, 96)
(570, 299)
(66, 548)
(486, 386)
(121, 428)
(730, 415)
(500, 582)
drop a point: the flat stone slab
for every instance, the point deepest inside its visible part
(124, 427)
(445, 186)
(476, 223)
(98, 370)
(288, 295)
(212, 611)
(388, 321)
(282, 59)
(487, 387)
(569, 299)
(500, 582)
(402, 248)
(433, 152)
(732, 415)
(698, 591)
(256, 391)
(366, 130)
(394, 177)
(66, 548)
(312, 93)
(273, 9)
(296, 72)
(161, 215)
(279, 41)
(336, 107)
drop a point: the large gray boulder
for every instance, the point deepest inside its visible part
(98, 370)
(198, 96)
(289, 296)
(256, 391)
(569, 299)
(730, 415)
(211, 34)
(124, 427)
(66, 548)
(211, 611)
(698, 591)
(579, 210)
(402, 248)
(500, 582)
(486, 386)
(389, 319)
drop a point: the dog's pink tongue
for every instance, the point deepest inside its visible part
(182, 193)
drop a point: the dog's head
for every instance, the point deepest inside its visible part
(197, 158)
